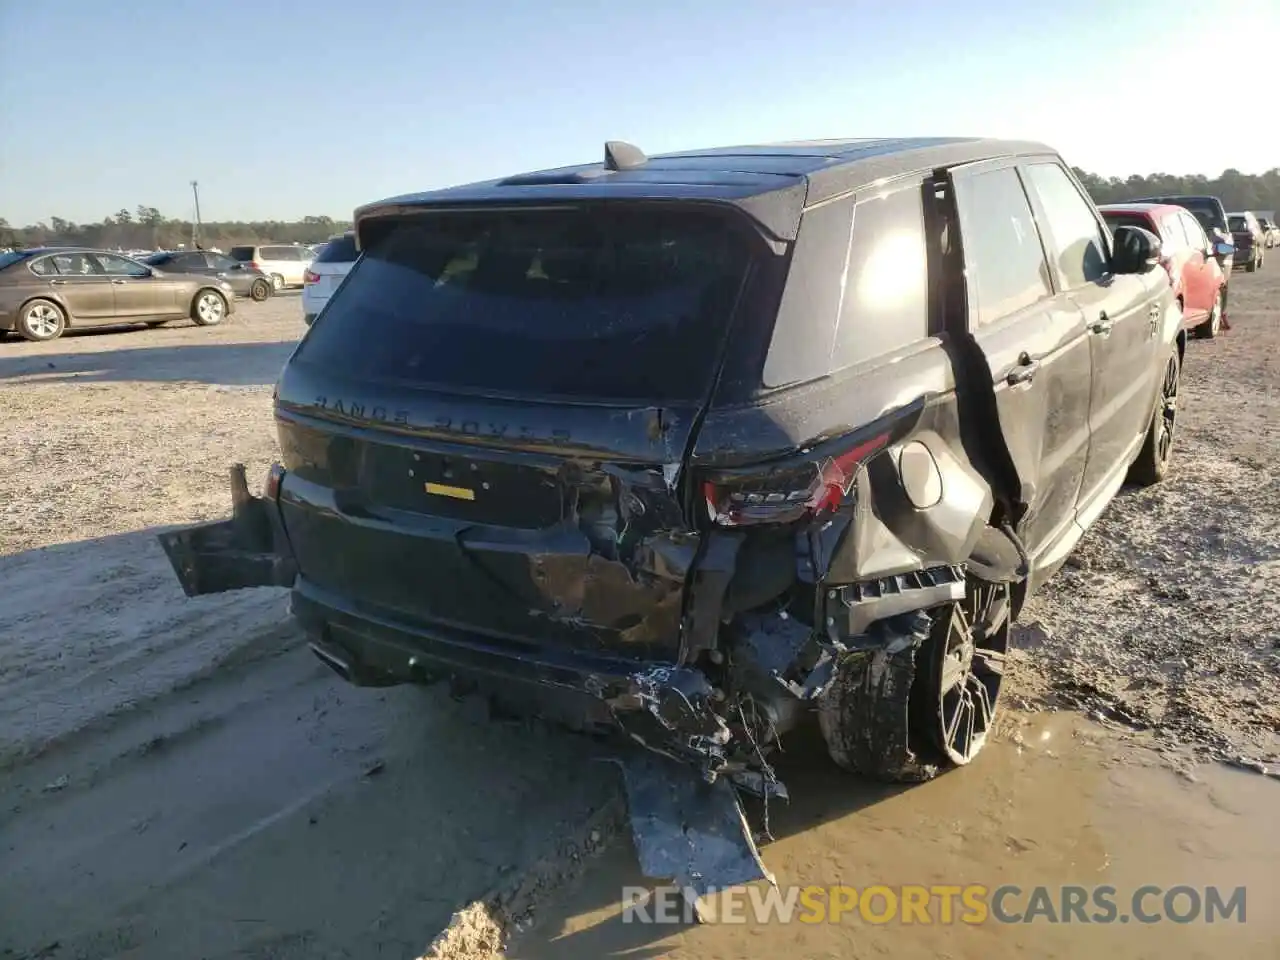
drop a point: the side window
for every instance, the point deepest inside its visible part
(187, 261)
(1072, 230)
(219, 262)
(76, 265)
(44, 267)
(1171, 229)
(1004, 262)
(273, 253)
(1195, 233)
(120, 267)
(885, 304)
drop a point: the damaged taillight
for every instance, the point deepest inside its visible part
(809, 485)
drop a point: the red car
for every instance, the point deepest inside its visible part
(1199, 281)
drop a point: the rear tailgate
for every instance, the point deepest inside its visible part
(486, 432)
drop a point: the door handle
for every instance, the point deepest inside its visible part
(1024, 372)
(57, 283)
(1102, 326)
(118, 281)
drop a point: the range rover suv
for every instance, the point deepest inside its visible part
(698, 446)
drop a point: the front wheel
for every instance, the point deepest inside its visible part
(259, 291)
(1251, 266)
(41, 320)
(1157, 447)
(277, 282)
(927, 698)
(209, 308)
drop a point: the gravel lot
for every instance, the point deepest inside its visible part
(181, 779)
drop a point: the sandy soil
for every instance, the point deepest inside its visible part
(179, 778)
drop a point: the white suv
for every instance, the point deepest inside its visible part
(284, 263)
(325, 273)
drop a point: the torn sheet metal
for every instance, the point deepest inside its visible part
(691, 832)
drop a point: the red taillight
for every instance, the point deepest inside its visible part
(787, 492)
(310, 276)
(253, 265)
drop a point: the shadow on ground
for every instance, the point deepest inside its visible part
(217, 364)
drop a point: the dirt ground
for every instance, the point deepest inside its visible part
(179, 777)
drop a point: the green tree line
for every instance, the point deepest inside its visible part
(147, 228)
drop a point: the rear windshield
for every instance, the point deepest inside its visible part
(1115, 220)
(1238, 224)
(615, 304)
(243, 254)
(341, 250)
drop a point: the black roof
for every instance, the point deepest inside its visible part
(773, 182)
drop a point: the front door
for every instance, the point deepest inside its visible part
(138, 292)
(1123, 317)
(84, 288)
(1200, 281)
(1035, 345)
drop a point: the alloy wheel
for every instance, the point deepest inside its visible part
(43, 320)
(210, 308)
(965, 669)
(1168, 410)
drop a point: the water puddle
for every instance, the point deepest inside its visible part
(1056, 802)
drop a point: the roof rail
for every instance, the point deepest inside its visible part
(620, 155)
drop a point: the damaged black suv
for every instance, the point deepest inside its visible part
(696, 446)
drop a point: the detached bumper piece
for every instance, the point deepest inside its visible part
(249, 550)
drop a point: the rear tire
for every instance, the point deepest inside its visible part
(277, 282)
(1213, 326)
(1251, 266)
(209, 308)
(260, 290)
(903, 716)
(41, 321)
(1157, 448)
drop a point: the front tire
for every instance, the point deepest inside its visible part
(277, 282)
(41, 320)
(1251, 266)
(904, 715)
(1157, 448)
(209, 308)
(260, 290)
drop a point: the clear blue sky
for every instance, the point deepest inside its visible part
(282, 108)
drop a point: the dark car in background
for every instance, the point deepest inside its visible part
(45, 290)
(245, 280)
(1187, 255)
(1247, 236)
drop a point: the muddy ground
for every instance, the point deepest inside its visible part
(179, 777)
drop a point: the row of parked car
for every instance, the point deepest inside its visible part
(45, 290)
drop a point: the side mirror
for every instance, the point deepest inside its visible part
(1136, 251)
(1223, 249)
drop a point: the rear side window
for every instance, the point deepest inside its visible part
(242, 254)
(615, 304)
(1004, 261)
(1081, 252)
(1116, 220)
(278, 253)
(44, 267)
(341, 250)
(1238, 224)
(886, 292)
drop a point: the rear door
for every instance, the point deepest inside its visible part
(1035, 343)
(1202, 277)
(486, 432)
(1123, 314)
